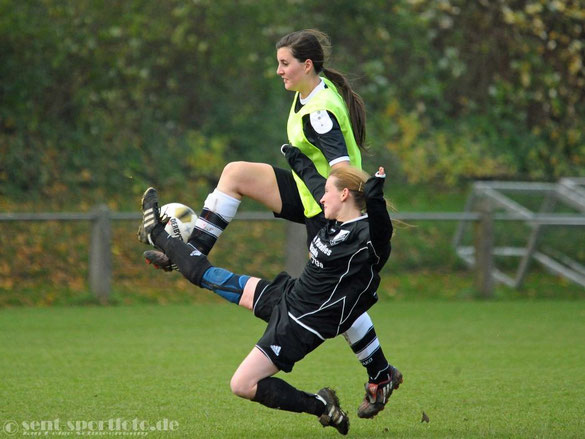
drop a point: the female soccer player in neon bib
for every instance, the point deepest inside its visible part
(327, 123)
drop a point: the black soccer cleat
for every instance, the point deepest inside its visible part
(159, 260)
(150, 215)
(377, 394)
(333, 415)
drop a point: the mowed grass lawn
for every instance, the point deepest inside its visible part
(477, 369)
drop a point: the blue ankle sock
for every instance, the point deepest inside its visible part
(228, 285)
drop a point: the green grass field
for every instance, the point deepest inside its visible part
(478, 369)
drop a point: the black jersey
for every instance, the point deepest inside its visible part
(340, 280)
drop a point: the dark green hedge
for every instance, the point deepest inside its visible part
(104, 96)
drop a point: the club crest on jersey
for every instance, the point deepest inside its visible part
(321, 121)
(340, 237)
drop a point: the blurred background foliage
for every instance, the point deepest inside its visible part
(100, 98)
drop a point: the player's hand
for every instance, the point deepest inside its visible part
(374, 185)
(287, 149)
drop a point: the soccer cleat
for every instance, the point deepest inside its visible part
(377, 394)
(333, 415)
(141, 234)
(159, 260)
(151, 215)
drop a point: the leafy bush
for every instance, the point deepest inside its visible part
(103, 98)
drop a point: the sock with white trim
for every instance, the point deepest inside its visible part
(218, 211)
(364, 343)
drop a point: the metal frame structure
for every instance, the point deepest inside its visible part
(488, 196)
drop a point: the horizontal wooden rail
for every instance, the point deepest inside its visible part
(100, 257)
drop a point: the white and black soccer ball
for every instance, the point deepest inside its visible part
(182, 220)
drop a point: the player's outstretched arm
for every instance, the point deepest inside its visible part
(379, 219)
(305, 168)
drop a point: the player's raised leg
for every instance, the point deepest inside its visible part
(191, 262)
(238, 180)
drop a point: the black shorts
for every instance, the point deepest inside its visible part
(284, 341)
(292, 206)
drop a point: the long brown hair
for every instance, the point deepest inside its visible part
(315, 45)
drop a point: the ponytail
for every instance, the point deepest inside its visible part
(355, 105)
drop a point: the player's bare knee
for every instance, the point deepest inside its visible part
(232, 175)
(242, 388)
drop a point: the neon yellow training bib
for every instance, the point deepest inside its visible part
(327, 99)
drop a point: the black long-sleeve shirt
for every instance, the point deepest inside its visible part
(340, 280)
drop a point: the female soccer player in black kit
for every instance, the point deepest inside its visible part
(338, 285)
(327, 122)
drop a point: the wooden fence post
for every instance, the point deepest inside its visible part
(100, 255)
(296, 248)
(484, 245)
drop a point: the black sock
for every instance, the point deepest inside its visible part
(204, 238)
(191, 264)
(278, 394)
(378, 369)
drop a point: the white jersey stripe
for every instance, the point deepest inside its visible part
(336, 286)
(358, 297)
(305, 326)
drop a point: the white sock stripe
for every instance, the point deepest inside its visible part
(368, 350)
(206, 226)
(359, 329)
(222, 204)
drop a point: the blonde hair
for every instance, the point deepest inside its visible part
(354, 180)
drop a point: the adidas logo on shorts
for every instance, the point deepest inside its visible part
(275, 349)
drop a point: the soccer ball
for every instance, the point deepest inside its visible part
(182, 220)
